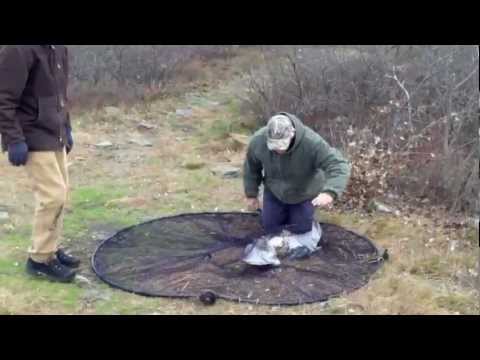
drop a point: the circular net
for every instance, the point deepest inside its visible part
(190, 254)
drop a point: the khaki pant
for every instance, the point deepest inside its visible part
(48, 173)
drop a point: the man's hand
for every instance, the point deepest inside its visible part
(323, 200)
(253, 204)
(69, 145)
(18, 153)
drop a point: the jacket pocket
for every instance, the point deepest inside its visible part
(48, 114)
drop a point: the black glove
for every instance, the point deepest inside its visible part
(69, 140)
(18, 153)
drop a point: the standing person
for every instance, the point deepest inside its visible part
(37, 133)
(299, 170)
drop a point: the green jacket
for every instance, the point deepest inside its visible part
(309, 167)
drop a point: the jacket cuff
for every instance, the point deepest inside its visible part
(251, 194)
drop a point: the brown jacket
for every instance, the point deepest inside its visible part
(33, 96)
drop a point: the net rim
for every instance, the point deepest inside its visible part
(115, 285)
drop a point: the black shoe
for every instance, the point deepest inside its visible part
(298, 253)
(67, 260)
(52, 270)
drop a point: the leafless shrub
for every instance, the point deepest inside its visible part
(420, 102)
(133, 71)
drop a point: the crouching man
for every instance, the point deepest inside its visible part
(36, 133)
(299, 171)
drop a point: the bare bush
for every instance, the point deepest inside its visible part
(420, 102)
(133, 71)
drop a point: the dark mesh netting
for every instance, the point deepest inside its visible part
(187, 255)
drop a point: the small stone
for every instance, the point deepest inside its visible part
(93, 295)
(375, 205)
(4, 216)
(82, 279)
(112, 111)
(453, 245)
(141, 142)
(104, 144)
(146, 126)
(240, 139)
(184, 112)
(473, 272)
(226, 171)
(9, 227)
(323, 305)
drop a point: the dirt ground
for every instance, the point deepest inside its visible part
(431, 270)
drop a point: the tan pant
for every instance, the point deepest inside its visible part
(49, 175)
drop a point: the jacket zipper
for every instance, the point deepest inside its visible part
(53, 71)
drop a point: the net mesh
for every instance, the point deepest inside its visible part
(190, 254)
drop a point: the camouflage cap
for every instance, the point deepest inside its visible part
(280, 131)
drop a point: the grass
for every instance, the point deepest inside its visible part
(174, 176)
(417, 279)
(433, 267)
(219, 129)
(89, 206)
(472, 235)
(44, 297)
(21, 294)
(37, 297)
(458, 303)
(399, 288)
